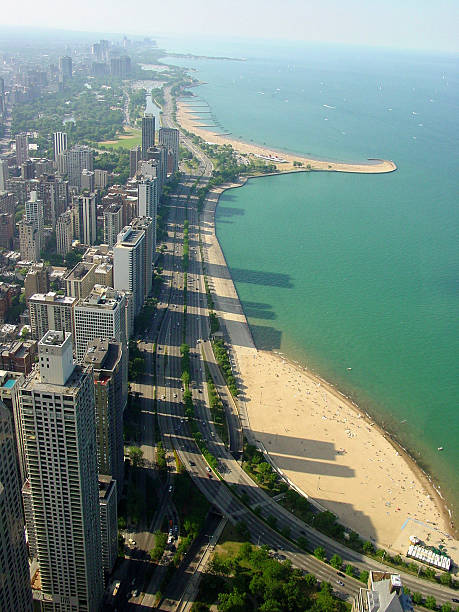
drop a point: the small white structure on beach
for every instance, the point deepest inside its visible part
(429, 557)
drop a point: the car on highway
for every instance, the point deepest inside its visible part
(170, 488)
(340, 582)
(163, 397)
(209, 475)
(341, 574)
(175, 394)
(208, 469)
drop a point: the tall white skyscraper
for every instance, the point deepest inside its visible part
(64, 232)
(148, 200)
(34, 211)
(59, 143)
(146, 225)
(15, 591)
(129, 264)
(58, 421)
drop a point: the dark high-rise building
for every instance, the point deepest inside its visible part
(120, 66)
(65, 66)
(22, 148)
(148, 133)
(169, 137)
(15, 591)
(110, 382)
(135, 155)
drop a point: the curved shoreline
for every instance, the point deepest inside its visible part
(424, 479)
(188, 122)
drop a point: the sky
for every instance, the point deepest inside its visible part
(411, 24)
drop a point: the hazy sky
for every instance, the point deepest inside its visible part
(422, 24)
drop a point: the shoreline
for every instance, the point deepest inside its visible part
(187, 121)
(425, 481)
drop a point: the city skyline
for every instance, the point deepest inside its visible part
(409, 25)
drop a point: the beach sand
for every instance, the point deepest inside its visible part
(318, 438)
(192, 123)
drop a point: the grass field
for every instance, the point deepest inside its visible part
(130, 138)
(230, 542)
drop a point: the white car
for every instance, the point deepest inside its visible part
(208, 469)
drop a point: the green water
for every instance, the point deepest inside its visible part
(334, 276)
(358, 271)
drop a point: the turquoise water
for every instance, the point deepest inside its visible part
(355, 271)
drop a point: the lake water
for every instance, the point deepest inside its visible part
(351, 271)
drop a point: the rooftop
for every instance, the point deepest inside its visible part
(103, 354)
(101, 297)
(53, 297)
(79, 271)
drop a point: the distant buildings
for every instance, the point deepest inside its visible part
(100, 179)
(65, 67)
(4, 174)
(148, 200)
(120, 66)
(6, 230)
(74, 161)
(88, 182)
(36, 280)
(148, 133)
(15, 591)
(129, 261)
(57, 412)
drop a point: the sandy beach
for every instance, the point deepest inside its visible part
(319, 439)
(192, 123)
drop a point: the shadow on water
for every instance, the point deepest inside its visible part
(266, 338)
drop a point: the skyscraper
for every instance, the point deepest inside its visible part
(79, 282)
(4, 174)
(22, 148)
(148, 200)
(59, 144)
(74, 161)
(101, 315)
(145, 224)
(169, 137)
(148, 133)
(113, 223)
(29, 242)
(86, 217)
(159, 155)
(108, 488)
(65, 66)
(129, 264)
(15, 591)
(105, 356)
(57, 412)
(64, 232)
(135, 155)
(54, 192)
(34, 212)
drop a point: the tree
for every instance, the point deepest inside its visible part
(368, 548)
(231, 602)
(319, 553)
(446, 579)
(302, 543)
(72, 258)
(349, 570)
(446, 607)
(364, 576)
(135, 455)
(430, 602)
(417, 598)
(336, 562)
